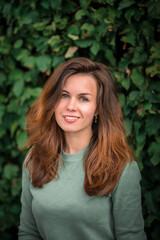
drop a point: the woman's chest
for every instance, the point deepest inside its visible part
(65, 198)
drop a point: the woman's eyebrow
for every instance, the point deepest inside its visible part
(65, 91)
(85, 93)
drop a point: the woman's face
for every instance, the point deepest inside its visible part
(77, 106)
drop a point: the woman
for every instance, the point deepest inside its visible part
(80, 179)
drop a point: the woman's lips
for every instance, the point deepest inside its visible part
(70, 119)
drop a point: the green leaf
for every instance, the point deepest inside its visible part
(2, 78)
(73, 32)
(84, 3)
(2, 111)
(29, 62)
(18, 43)
(54, 41)
(119, 75)
(29, 17)
(137, 126)
(21, 138)
(126, 83)
(12, 106)
(11, 63)
(60, 24)
(43, 63)
(155, 160)
(15, 75)
(150, 201)
(84, 43)
(57, 60)
(147, 106)
(45, 4)
(141, 138)
(73, 37)
(5, 45)
(154, 87)
(14, 127)
(36, 91)
(152, 124)
(100, 14)
(129, 14)
(154, 69)
(2, 99)
(40, 26)
(122, 99)
(16, 187)
(155, 50)
(110, 2)
(22, 122)
(125, 61)
(7, 9)
(140, 165)
(151, 96)
(128, 126)
(134, 95)
(137, 77)
(112, 14)
(139, 149)
(140, 56)
(10, 171)
(88, 29)
(125, 4)
(95, 48)
(2, 131)
(110, 57)
(130, 37)
(147, 28)
(20, 54)
(31, 92)
(150, 219)
(18, 87)
(80, 13)
(56, 3)
(73, 29)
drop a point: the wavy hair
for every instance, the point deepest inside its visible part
(108, 151)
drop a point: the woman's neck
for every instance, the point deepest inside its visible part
(74, 143)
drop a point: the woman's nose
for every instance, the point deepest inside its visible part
(71, 106)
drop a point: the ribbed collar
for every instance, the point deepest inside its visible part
(75, 156)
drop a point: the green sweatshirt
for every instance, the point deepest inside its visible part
(61, 210)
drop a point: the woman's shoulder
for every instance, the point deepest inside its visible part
(130, 168)
(129, 177)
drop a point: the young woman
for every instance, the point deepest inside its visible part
(80, 179)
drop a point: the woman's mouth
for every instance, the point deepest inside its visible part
(70, 119)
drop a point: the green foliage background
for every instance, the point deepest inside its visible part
(36, 37)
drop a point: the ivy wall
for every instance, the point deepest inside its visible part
(36, 36)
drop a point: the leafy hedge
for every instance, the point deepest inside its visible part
(36, 37)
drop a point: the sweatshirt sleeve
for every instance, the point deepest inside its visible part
(127, 209)
(27, 228)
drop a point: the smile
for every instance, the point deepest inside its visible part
(69, 117)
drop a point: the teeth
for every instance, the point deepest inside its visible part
(71, 117)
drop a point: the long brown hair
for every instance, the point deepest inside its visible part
(108, 151)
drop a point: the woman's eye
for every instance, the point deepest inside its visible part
(65, 95)
(84, 99)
